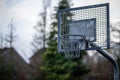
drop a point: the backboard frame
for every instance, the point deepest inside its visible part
(86, 7)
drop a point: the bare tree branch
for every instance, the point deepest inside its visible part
(10, 37)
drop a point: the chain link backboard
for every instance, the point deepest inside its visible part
(89, 21)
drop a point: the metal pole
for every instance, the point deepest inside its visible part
(111, 59)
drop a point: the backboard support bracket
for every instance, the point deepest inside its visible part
(111, 59)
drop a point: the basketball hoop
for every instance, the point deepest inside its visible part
(86, 29)
(72, 45)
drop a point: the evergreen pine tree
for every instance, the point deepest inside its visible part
(56, 66)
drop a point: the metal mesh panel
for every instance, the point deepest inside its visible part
(98, 12)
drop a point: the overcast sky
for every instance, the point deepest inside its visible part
(25, 16)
